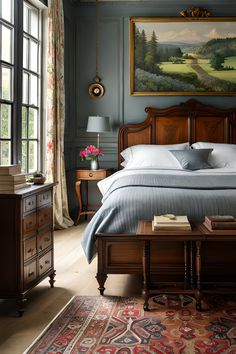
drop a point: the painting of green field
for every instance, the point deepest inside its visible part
(176, 68)
(176, 56)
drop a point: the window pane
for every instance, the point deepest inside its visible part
(34, 22)
(24, 122)
(25, 88)
(6, 83)
(26, 19)
(5, 121)
(7, 10)
(33, 90)
(25, 53)
(24, 156)
(6, 44)
(33, 56)
(33, 123)
(32, 156)
(5, 152)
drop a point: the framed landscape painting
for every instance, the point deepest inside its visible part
(179, 56)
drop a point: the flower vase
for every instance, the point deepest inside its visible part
(94, 164)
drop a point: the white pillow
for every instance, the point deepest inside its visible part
(223, 155)
(155, 156)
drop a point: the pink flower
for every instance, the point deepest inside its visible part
(91, 152)
(83, 154)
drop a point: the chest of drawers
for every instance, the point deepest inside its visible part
(26, 238)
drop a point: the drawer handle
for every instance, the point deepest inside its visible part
(41, 267)
(30, 274)
(90, 174)
(46, 239)
(30, 250)
(47, 262)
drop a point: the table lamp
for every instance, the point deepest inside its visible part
(97, 124)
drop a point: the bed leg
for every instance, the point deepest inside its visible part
(101, 278)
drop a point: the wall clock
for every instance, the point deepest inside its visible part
(96, 89)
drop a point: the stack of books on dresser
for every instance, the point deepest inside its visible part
(11, 179)
(220, 222)
(170, 222)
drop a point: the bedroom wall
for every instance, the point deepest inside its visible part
(114, 71)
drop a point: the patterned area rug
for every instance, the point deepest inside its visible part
(109, 325)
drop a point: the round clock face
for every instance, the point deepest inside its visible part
(96, 90)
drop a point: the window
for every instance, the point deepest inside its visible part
(20, 84)
(31, 84)
(6, 80)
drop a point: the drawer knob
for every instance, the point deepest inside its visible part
(46, 239)
(90, 174)
(47, 262)
(41, 267)
(30, 250)
(30, 274)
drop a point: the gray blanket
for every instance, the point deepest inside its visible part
(140, 197)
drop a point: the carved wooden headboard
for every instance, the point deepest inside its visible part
(189, 121)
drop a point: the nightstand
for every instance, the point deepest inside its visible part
(86, 176)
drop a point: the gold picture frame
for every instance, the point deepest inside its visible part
(183, 56)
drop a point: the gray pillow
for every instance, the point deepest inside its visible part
(193, 159)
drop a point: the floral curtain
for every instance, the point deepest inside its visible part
(56, 113)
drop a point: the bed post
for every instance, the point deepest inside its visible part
(101, 275)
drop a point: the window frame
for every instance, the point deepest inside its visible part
(17, 88)
(10, 65)
(28, 70)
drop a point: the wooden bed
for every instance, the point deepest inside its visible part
(121, 254)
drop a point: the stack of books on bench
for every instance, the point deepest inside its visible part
(11, 179)
(220, 222)
(170, 222)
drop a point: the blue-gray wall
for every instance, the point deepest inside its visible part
(114, 71)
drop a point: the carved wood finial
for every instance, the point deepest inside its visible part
(195, 12)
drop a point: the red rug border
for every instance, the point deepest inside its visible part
(50, 323)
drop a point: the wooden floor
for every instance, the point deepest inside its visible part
(74, 277)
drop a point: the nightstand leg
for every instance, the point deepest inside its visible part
(86, 208)
(146, 274)
(79, 198)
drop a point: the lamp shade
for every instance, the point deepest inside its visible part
(97, 124)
